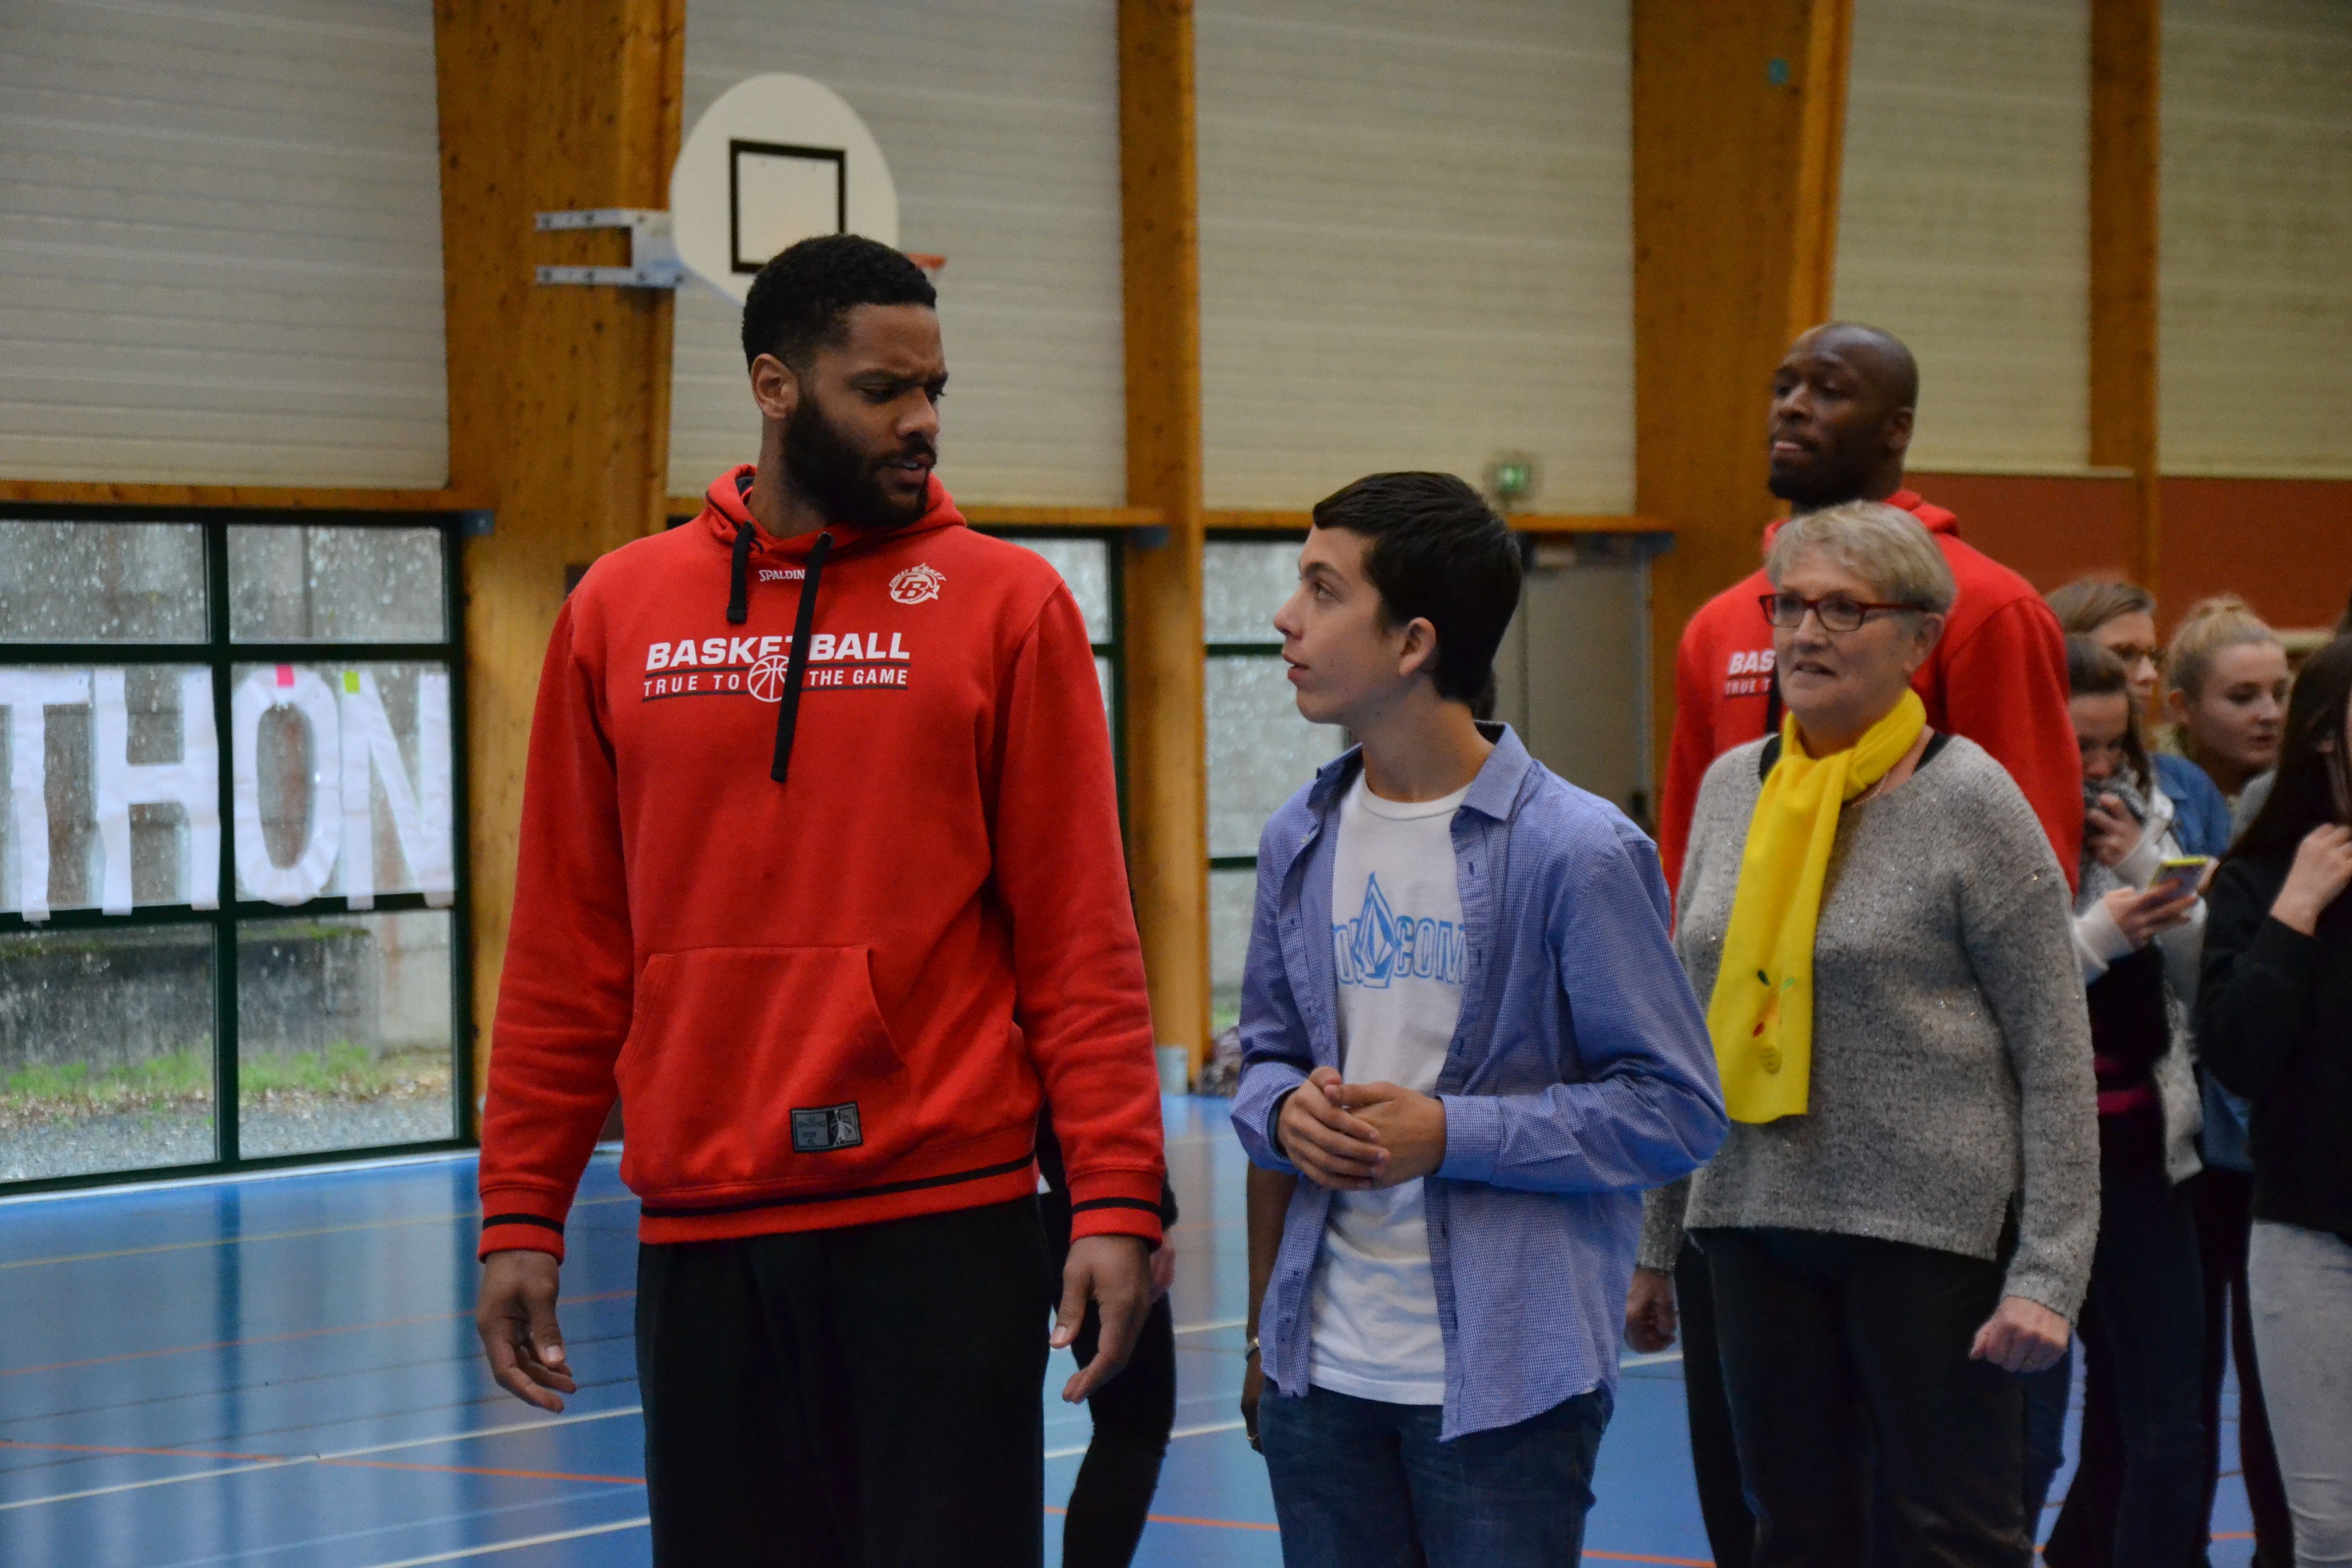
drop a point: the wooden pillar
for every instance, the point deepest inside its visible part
(559, 396)
(1167, 768)
(2127, 52)
(1739, 140)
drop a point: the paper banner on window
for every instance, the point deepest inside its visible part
(25, 693)
(193, 784)
(283, 686)
(421, 817)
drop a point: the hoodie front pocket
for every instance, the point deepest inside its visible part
(759, 1066)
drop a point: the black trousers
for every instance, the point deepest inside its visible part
(864, 1397)
(1837, 1347)
(2223, 1203)
(1714, 1459)
(2138, 1492)
(1133, 1413)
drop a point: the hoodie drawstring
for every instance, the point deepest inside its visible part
(739, 583)
(788, 710)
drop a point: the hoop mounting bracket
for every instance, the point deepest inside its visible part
(653, 253)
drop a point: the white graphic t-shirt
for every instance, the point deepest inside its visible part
(1397, 948)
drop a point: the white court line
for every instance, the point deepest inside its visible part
(1206, 1328)
(464, 1551)
(321, 1458)
(1657, 1360)
(1202, 1431)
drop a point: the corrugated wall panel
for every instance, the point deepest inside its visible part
(2257, 237)
(1001, 126)
(1416, 243)
(1963, 223)
(220, 238)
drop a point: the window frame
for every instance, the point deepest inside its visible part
(220, 655)
(1267, 649)
(1115, 543)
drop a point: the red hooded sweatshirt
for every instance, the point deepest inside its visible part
(1997, 676)
(839, 999)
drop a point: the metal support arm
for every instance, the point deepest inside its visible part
(653, 253)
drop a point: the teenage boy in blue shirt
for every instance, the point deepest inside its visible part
(1463, 1024)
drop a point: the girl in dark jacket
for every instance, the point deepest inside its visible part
(2274, 1022)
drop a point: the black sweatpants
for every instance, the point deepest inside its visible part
(1133, 1413)
(1829, 1342)
(1714, 1459)
(864, 1397)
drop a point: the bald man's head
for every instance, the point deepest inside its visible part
(1841, 421)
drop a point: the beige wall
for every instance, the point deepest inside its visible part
(220, 243)
(1963, 225)
(2257, 237)
(1416, 245)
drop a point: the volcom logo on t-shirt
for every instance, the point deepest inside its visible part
(1381, 946)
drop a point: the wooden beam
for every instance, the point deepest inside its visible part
(287, 498)
(1263, 522)
(559, 397)
(1066, 516)
(1166, 767)
(992, 516)
(1738, 136)
(2127, 47)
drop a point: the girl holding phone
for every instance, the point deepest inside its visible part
(2135, 934)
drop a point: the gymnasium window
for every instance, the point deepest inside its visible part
(233, 858)
(1260, 750)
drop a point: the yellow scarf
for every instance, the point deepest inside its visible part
(1761, 1014)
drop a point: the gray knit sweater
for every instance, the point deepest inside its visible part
(1951, 1071)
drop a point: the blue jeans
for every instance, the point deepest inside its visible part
(1360, 1483)
(2047, 1394)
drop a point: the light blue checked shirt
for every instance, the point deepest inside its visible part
(1580, 1075)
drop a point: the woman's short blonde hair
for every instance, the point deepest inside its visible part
(1885, 546)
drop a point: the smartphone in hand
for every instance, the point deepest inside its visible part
(2183, 872)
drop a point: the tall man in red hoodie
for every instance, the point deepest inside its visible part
(1843, 402)
(821, 868)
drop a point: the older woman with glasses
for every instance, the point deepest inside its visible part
(1903, 1215)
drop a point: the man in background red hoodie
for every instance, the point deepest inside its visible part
(1840, 426)
(821, 868)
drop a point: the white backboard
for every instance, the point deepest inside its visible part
(777, 158)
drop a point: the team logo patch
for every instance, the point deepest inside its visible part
(823, 1129)
(916, 585)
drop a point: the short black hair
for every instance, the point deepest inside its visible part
(799, 299)
(1438, 553)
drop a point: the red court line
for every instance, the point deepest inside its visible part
(278, 1339)
(159, 1453)
(482, 1470)
(342, 1464)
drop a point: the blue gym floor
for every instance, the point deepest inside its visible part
(283, 1371)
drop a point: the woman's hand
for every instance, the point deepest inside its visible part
(2322, 870)
(2022, 1336)
(2142, 915)
(2110, 831)
(1650, 1310)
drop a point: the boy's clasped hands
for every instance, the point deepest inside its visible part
(1355, 1137)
